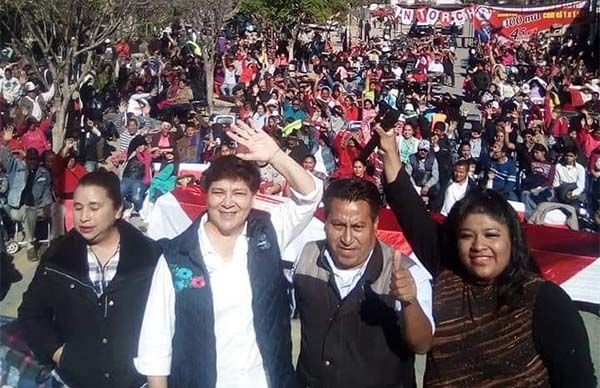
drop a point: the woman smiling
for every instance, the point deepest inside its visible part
(498, 323)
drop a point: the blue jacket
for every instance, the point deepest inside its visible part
(193, 363)
(17, 179)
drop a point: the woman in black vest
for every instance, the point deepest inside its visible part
(498, 323)
(83, 310)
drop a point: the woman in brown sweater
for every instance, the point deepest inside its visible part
(498, 323)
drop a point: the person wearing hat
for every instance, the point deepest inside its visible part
(423, 170)
(35, 102)
(30, 189)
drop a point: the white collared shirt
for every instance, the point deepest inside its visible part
(347, 279)
(239, 363)
(454, 193)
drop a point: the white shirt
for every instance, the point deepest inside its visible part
(435, 67)
(239, 364)
(570, 174)
(397, 72)
(134, 104)
(347, 279)
(454, 193)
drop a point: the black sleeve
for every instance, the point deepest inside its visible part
(490, 131)
(561, 339)
(420, 230)
(36, 317)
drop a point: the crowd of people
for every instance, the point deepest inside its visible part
(108, 307)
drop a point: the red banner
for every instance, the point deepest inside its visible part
(520, 24)
(515, 24)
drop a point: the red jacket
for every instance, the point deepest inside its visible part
(66, 179)
(37, 137)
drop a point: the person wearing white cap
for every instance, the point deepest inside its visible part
(35, 102)
(423, 170)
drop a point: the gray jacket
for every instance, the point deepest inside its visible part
(17, 178)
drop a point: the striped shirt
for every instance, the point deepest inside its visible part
(102, 275)
(124, 140)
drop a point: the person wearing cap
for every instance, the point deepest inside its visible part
(423, 170)
(30, 189)
(35, 102)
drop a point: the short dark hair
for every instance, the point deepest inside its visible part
(107, 180)
(359, 160)
(439, 125)
(234, 168)
(310, 156)
(462, 163)
(571, 150)
(539, 147)
(528, 132)
(353, 190)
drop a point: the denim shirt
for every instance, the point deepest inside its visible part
(17, 177)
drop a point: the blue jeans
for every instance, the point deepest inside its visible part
(133, 190)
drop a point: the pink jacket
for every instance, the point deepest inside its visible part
(37, 137)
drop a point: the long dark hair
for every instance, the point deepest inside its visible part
(521, 266)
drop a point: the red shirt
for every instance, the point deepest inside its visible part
(66, 179)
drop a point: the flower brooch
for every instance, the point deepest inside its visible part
(184, 278)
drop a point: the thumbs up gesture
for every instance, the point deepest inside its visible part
(402, 284)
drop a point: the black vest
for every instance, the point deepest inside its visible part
(194, 344)
(354, 342)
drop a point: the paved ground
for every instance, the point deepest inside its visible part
(10, 304)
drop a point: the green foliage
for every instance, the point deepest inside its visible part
(278, 13)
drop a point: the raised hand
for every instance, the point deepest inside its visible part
(387, 140)
(7, 134)
(259, 144)
(402, 284)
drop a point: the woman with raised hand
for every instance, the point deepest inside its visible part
(498, 322)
